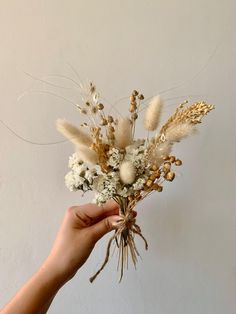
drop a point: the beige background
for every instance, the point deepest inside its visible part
(151, 46)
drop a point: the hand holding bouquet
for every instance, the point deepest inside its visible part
(110, 161)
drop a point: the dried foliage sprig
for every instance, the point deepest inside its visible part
(122, 167)
(180, 125)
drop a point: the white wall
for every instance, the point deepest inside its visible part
(151, 46)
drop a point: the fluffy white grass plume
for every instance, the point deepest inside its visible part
(75, 135)
(153, 114)
(87, 154)
(127, 172)
(123, 133)
(177, 132)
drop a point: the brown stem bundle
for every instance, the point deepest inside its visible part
(124, 238)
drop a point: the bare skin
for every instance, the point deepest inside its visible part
(81, 228)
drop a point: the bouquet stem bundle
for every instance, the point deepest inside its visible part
(124, 238)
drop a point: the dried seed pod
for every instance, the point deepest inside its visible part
(134, 103)
(111, 136)
(111, 129)
(172, 159)
(167, 165)
(157, 187)
(158, 174)
(84, 111)
(152, 177)
(135, 93)
(134, 116)
(132, 108)
(141, 97)
(84, 124)
(94, 109)
(103, 121)
(110, 119)
(100, 106)
(127, 172)
(154, 167)
(92, 88)
(178, 162)
(166, 157)
(87, 103)
(170, 176)
(149, 183)
(132, 98)
(165, 171)
(106, 147)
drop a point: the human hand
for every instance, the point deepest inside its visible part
(81, 228)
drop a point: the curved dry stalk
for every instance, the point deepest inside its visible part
(45, 92)
(39, 79)
(30, 141)
(91, 279)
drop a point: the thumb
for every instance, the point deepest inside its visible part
(104, 226)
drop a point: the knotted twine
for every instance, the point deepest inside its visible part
(124, 238)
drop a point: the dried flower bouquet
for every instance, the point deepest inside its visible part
(112, 162)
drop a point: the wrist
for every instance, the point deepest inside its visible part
(56, 271)
(51, 274)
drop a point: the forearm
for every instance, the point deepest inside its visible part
(81, 228)
(37, 294)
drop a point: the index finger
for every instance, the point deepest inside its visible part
(94, 211)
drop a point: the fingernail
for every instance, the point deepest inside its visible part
(116, 221)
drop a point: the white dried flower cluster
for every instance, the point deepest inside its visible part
(139, 184)
(107, 187)
(136, 154)
(74, 181)
(74, 161)
(110, 185)
(80, 177)
(115, 158)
